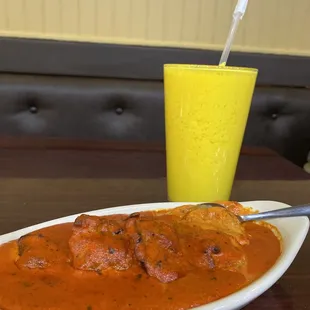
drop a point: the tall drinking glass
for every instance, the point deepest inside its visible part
(206, 110)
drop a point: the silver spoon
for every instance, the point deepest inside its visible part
(302, 210)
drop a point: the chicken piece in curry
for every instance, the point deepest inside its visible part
(169, 259)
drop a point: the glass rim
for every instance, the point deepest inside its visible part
(211, 67)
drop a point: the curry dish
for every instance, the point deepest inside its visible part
(170, 259)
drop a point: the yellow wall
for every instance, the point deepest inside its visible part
(270, 26)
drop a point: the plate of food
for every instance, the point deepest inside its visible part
(148, 256)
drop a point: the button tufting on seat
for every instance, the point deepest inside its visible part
(33, 109)
(274, 115)
(131, 110)
(119, 110)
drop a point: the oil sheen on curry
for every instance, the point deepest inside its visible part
(170, 259)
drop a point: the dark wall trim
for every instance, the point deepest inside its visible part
(49, 57)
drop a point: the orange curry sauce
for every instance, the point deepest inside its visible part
(173, 259)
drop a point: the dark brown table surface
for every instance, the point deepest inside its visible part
(41, 180)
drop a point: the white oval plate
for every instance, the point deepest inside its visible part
(293, 231)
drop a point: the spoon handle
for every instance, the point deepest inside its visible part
(302, 210)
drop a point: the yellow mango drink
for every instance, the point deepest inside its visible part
(206, 110)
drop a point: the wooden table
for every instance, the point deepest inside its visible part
(42, 180)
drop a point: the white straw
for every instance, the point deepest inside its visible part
(237, 16)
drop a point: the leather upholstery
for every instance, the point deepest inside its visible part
(116, 109)
(280, 119)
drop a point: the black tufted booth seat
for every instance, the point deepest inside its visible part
(133, 110)
(280, 119)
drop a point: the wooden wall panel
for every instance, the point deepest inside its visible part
(270, 26)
